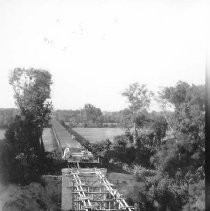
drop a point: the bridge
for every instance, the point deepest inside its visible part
(85, 189)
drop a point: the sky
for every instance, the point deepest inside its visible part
(95, 48)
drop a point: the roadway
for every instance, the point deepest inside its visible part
(63, 137)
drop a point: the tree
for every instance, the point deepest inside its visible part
(142, 119)
(24, 135)
(123, 150)
(7, 116)
(91, 114)
(182, 159)
(139, 98)
(126, 118)
(159, 125)
(189, 103)
(32, 93)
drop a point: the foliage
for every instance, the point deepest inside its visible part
(142, 119)
(155, 122)
(183, 158)
(24, 135)
(188, 152)
(138, 96)
(159, 192)
(189, 102)
(123, 150)
(25, 164)
(91, 114)
(123, 118)
(74, 117)
(126, 118)
(7, 116)
(32, 93)
(145, 149)
(102, 151)
(18, 168)
(8, 164)
(159, 126)
(172, 170)
(196, 196)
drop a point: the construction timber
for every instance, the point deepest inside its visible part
(88, 189)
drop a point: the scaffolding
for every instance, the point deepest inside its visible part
(92, 191)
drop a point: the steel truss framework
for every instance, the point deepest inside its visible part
(95, 192)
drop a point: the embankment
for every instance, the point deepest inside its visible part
(39, 197)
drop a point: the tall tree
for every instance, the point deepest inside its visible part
(139, 98)
(32, 96)
(91, 114)
(184, 160)
(189, 104)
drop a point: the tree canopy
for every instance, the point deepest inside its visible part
(139, 97)
(32, 96)
(32, 93)
(172, 169)
(91, 114)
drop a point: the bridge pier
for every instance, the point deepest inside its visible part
(67, 188)
(67, 184)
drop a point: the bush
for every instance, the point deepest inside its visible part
(159, 192)
(8, 166)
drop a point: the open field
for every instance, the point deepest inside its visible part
(2, 131)
(99, 134)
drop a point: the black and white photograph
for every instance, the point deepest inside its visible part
(103, 105)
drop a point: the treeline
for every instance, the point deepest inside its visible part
(7, 116)
(91, 116)
(170, 172)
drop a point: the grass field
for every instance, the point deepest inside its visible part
(2, 131)
(99, 134)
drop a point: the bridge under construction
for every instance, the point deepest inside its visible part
(85, 189)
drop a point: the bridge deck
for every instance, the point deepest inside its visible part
(64, 140)
(64, 137)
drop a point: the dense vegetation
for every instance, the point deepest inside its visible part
(23, 158)
(7, 116)
(90, 116)
(172, 170)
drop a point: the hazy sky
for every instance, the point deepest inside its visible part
(96, 48)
